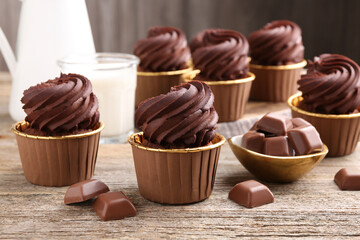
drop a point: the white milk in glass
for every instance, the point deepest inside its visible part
(113, 77)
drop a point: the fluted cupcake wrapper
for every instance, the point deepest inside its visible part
(57, 161)
(175, 176)
(151, 84)
(231, 96)
(275, 83)
(339, 132)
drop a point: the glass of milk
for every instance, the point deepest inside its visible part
(113, 77)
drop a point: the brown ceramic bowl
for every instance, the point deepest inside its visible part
(340, 132)
(275, 83)
(57, 161)
(275, 168)
(175, 176)
(231, 96)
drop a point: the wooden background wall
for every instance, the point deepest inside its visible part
(328, 25)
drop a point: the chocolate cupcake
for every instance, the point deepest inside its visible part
(177, 153)
(221, 59)
(164, 57)
(330, 100)
(277, 58)
(59, 138)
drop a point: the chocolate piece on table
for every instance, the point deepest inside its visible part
(305, 140)
(348, 179)
(251, 194)
(277, 146)
(253, 141)
(274, 123)
(299, 122)
(84, 190)
(113, 206)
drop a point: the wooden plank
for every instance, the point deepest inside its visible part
(312, 206)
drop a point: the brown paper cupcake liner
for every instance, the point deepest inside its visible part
(151, 84)
(175, 176)
(275, 83)
(339, 132)
(231, 96)
(57, 161)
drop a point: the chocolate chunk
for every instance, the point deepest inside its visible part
(113, 206)
(348, 179)
(267, 134)
(283, 136)
(251, 194)
(305, 140)
(299, 122)
(274, 123)
(253, 141)
(84, 190)
(277, 146)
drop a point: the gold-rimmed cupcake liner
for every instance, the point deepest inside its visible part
(275, 83)
(340, 132)
(231, 96)
(175, 176)
(57, 160)
(279, 169)
(151, 84)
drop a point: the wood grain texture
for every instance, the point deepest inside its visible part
(327, 25)
(312, 207)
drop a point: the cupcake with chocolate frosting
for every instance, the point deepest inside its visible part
(330, 100)
(221, 59)
(277, 58)
(164, 57)
(185, 117)
(62, 126)
(221, 55)
(63, 106)
(178, 142)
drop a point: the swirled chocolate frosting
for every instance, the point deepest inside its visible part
(331, 85)
(197, 41)
(63, 106)
(220, 54)
(164, 49)
(277, 43)
(184, 117)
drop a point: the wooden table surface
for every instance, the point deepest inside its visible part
(309, 208)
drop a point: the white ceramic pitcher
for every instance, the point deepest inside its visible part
(48, 30)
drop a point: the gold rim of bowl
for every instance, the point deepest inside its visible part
(135, 138)
(191, 75)
(294, 100)
(281, 67)
(324, 151)
(100, 126)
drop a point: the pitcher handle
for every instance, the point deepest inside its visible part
(8, 53)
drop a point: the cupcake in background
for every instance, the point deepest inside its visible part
(164, 57)
(330, 100)
(177, 153)
(221, 59)
(58, 141)
(277, 58)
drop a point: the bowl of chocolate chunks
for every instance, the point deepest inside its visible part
(279, 149)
